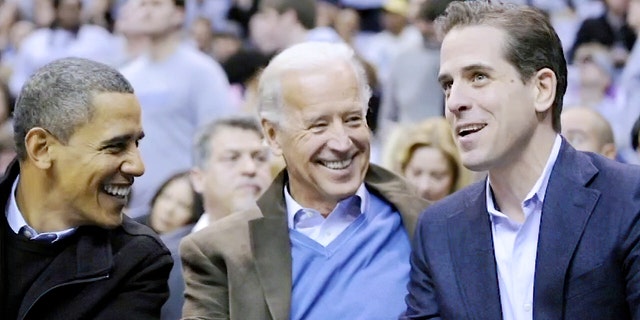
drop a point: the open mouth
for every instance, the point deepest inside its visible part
(466, 130)
(120, 192)
(337, 165)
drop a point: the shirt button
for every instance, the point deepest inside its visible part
(527, 307)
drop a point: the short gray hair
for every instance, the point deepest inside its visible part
(305, 56)
(58, 98)
(202, 142)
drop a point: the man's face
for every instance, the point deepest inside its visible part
(323, 135)
(156, 17)
(68, 13)
(430, 172)
(491, 111)
(265, 30)
(236, 173)
(93, 172)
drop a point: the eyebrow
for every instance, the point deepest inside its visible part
(122, 139)
(474, 67)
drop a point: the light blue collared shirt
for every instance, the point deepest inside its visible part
(311, 223)
(516, 244)
(16, 221)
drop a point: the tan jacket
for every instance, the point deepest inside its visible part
(240, 267)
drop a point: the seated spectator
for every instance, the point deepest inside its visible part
(426, 156)
(175, 205)
(588, 130)
(67, 37)
(610, 29)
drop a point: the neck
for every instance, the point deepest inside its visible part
(161, 47)
(590, 96)
(512, 182)
(40, 209)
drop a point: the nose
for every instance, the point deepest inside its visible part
(339, 139)
(133, 165)
(248, 166)
(457, 99)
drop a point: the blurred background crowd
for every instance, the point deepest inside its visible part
(192, 62)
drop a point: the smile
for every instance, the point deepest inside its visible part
(120, 192)
(337, 165)
(468, 129)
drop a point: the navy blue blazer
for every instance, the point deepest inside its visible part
(588, 259)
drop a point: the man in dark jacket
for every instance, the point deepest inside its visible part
(66, 250)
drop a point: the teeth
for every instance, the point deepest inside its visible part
(116, 191)
(337, 165)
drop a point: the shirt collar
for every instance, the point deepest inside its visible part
(293, 206)
(539, 189)
(16, 219)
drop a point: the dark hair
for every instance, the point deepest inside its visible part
(197, 209)
(531, 44)
(179, 3)
(635, 131)
(304, 9)
(201, 145)
(432, 9)
(59, 98)
(244, 65)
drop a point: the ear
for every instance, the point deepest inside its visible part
(40, 144)
(545, 82)
(271, 134)
(609, 150)
(196, 176)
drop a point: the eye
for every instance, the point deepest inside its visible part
(479, 77)
(354, 120)
(318, 126)
(115, 148)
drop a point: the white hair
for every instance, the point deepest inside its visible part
(306, 56)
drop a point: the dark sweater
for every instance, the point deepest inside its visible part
(25, 260)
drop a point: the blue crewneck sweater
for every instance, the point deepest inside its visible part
(362, 274)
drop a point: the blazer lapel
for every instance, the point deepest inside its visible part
(562, 224)
(391, 188)
(471, 246)
(272, 250)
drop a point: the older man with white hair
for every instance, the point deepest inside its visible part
(330, 237)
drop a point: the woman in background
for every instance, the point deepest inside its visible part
(425, 154)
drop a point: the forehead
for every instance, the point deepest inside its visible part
(114, 114)
(473, 45)
(320, 86)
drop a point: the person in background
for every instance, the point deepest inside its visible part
(588, 130)
(66, 37)
(176, 205)
(552, 232)
(426, 155)
(230, 171)
(180, 89)
(329, 223)
(67, 248)
(279, 24)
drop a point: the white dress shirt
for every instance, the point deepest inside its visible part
(516, 244)
(318, 228)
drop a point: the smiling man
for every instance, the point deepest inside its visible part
(330, 237)
(67, 249)
(552, 233)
